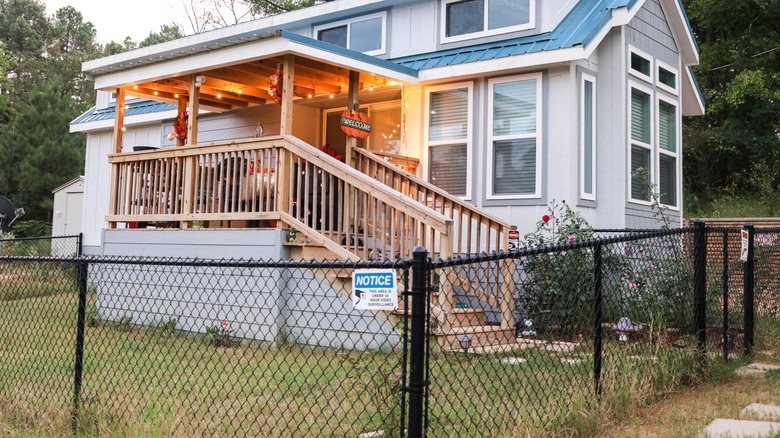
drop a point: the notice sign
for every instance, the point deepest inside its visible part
(744, 253)
(514, 240)
(374, 289)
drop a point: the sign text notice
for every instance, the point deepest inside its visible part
(374, 289)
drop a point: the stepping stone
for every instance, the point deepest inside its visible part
(561, 347)
(762, 412)
(572, 361)
(756, 368)
(513, 360)
(725, 428)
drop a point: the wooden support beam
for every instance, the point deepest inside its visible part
(194, 107)
(304, 77)
(352, 102)
(166, 96)
(119, 120)
(288, 75)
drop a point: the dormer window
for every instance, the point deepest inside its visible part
(466, 19)
(363, 34)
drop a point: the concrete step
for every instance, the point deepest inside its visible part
(459, 317)
(726, 428)
(481, 336)
(761, 412)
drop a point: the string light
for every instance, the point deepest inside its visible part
(219, 95)
(155, 93)
(135, 87)
(332, 95)
(124, 129)
(309, 95)
(176, 95)
(240, 91)
(371, 88)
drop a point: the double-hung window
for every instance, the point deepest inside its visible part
(514, 122)
(364, 34)
(448, 135)
(641, 143)
(667, 152)
(588, 138)
(466, 19)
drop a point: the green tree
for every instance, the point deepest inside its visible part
(270, 7)
(39, 153)
(735, 147)
(166, 33)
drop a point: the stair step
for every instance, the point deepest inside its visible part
(482, 335)
(459, 317)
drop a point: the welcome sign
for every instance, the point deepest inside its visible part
(374, 289)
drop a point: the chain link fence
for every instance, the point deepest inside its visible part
(517, 343)
(58, 246)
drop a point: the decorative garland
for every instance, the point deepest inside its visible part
(180, 126)
(275, 85)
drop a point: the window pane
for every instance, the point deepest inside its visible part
(667, 127)
(335, 35)
(505, 13)
(640, 159)
(514, 108)
(366, 36)
(449, 113)
(667, 78)
(448, 168)
(668, 184)
(386, 133)
(640, 64)
(514, 166)
(465, 17)
(587, 120)
(640, 116)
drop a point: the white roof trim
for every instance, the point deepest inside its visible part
(201, 41)
(239, 54)
(692, 104)
(682, 35)
(69, 183)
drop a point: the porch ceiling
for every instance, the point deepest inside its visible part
(238, 76)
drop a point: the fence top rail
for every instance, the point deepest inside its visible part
(213, 263)
(16, 239)
(730, 230)
(767, 230)
(549, 249)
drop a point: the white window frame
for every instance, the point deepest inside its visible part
(661, 85)
(583, 195)
(649, 146)
(383, 15)
(634, 51)
(491, 139)
(485, 31)
(469, 131)
(660, 151)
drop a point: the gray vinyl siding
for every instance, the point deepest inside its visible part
(649, 32)
(262, 304)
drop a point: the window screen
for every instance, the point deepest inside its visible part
(640, 116)
(667, 167)
(640, 159)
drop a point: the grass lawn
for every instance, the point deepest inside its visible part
(147, 382)
(686, 413)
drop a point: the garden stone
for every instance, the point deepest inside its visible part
(756, 368)
(762, 412)
(722, 427)
(513, 360)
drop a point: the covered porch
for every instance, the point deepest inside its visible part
(358, 198)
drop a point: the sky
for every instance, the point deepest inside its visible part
(115, 20)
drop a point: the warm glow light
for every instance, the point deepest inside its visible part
(219, 95)
(239, 91)
(124, 129)
(155, 93)
(371, 88)
(406, 105)
(176, 95)
(309, 95)
(135, 87)
(332, 95)
(127, 107)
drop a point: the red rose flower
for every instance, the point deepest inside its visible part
(546, 218)
(564, 201)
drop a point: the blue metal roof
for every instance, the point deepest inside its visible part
(133, 108)
(579, 27)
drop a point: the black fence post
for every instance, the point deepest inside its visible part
(725, 295)
(82, 269)
(417, 348)
(80, 250)
(748, 300)
(700, 287)
(597, 308)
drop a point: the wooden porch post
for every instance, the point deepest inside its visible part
(352, 100)
(188, 191)
(285, 161)
(119, 123)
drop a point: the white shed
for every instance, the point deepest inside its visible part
(68, 203)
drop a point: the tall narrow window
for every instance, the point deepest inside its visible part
(514, 137)
(667, 149)
(641, 145)
(588, 139)
(448, 137)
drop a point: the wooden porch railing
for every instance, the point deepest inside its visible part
(474, 231)
(280, 178)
